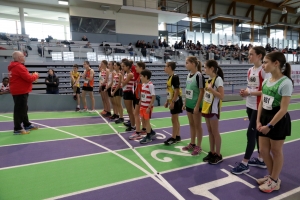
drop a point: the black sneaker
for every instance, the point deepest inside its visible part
(170, 141)
(178, 138)
(75, 97)
(119, 121)
(130, 128)
(128, 124)
(114, 116)
(215, 159)
(108, 114)
(77, 109)
(208, 157)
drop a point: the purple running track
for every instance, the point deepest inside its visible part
(39, 152)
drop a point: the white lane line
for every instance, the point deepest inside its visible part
(158, 179)
(100, 187)
(167, 132)
(287, 194)
(164, 182)
(244, 173)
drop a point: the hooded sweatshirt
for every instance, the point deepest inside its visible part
(53, 82)
(20, 80)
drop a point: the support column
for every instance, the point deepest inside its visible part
(268, 32)
(252, 33)
(213, 26)
(285, 32)
(65, 31)
(22, 20)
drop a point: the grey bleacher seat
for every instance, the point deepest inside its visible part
(6, 52)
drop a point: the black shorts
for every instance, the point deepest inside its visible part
(136, 101)
(90, 89)
(102, 88)
(78, 90)
(118, 93)
(128, 96)
(281, 128)
(191, 110)
(109, 92)
(177, 107)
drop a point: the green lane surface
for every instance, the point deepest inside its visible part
(46, 180)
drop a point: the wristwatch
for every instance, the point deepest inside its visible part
(270, 126)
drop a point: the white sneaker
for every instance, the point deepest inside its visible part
(270, 185)
(92, 111)
(84, 110)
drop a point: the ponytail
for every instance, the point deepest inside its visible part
(199, 66)
(286, 70)
(220, 72)
(217, 69)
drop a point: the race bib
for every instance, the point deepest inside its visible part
(86, 81)
(143, 97)
(101, 79)
(267, 102)
(208, 97)
(253, 81)
(169, 96)
(189, 94)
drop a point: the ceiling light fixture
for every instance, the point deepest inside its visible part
(63, 2)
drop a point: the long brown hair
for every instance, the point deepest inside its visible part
(217, 68)
(260, 50)
(284, 67)
(194, 59)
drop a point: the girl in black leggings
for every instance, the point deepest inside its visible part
(255, 77)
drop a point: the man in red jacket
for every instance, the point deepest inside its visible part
(20, 82)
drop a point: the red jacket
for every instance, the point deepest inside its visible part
(20, 80)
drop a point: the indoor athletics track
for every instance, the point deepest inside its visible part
(82, 156)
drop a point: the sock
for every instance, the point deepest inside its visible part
(193, 145)
(137, 132)
(260, 159)
(245, 163)
(273, 179)
(148, 134)
(108, 113)
(143, 129)
(177, 136)
(78, 106)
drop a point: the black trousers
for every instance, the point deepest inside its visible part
(252, 133)
(20, 111)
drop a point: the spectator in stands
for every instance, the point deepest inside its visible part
(149, 45)
(176, 46)
(41, 47)
(144, 51)
(154, 44)
(52, 83)
(152, 52)
(4, 86)
(164, 43)
(20, 83)
(183, 38)
(84, 38)
(130, 49)
(88, 45)
(159, 43)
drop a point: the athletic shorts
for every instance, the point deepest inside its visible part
(89, 89)
(102, 88)
(144, 114)
(177, 107)
(281, 128)
(109, 92)
(118, 93)
(212, 116)
(78, 90)
(191, 110)
(136, 101)
(128, 95)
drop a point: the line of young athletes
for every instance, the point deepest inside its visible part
(269, 120)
